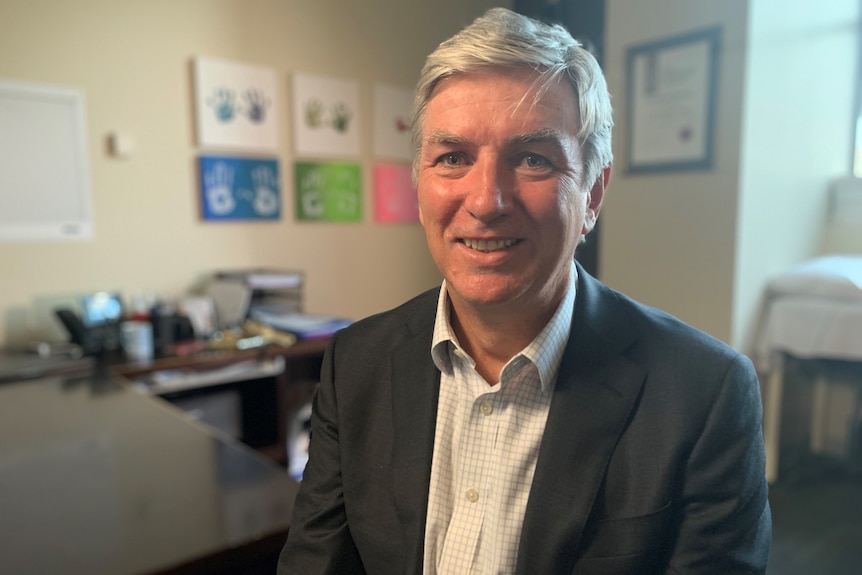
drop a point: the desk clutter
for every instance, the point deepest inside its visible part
(239, 355)
(271, 298)
(235, 310)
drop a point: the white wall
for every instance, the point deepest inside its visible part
(132, 60)
(701, 245)
(668, 239)
(798, 128)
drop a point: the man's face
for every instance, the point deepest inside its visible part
(500, 185)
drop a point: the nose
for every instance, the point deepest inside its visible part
(489, 190)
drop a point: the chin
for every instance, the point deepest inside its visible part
(488, 292)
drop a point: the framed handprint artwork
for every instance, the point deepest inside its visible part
(325, 116)
(235, 188)
(393, 111)
(395, 196)
(235, 105)
(328, 191)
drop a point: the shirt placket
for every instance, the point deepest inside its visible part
(473, 491)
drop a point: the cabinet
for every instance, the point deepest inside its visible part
(251, 395)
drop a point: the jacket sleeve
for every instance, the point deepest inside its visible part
(726, 525)
(319, 540)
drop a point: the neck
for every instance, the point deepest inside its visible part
(494, 334)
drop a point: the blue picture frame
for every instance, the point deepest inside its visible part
(236, 188)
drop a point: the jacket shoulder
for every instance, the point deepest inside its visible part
(414, 317)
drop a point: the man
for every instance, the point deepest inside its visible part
(524, 418)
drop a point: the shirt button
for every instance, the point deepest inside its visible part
(486, 408)
(472, 495)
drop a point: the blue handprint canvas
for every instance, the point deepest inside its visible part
(235, 105)
(239, 188)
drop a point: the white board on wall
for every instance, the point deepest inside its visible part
(44, 165)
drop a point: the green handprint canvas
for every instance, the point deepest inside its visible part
(328, 192)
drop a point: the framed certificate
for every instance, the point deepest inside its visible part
(671, 102)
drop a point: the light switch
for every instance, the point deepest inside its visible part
(121, 145)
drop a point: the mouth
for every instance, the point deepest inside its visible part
(488, 246)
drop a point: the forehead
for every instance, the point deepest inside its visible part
(502, 99)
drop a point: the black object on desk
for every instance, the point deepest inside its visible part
(97, 478)
(93, 339)
(169, 327)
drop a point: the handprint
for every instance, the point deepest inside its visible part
(222, 102)
(218, 183)
(313, 113)
(257, 105)
(341, 116)
(345, 201)
(265, 198)
(312, 198)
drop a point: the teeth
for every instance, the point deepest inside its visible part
(488, 245)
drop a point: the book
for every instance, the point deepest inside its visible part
(302, 325)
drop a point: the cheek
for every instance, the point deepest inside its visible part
(565, 204)
(437, 205)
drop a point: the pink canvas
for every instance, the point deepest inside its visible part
(394, 194)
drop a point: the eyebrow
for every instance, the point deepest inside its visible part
(546, 135)
(442, 137)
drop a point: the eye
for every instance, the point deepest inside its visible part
(535, 161)
(452, 159)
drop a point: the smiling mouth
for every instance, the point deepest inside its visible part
(488, 246)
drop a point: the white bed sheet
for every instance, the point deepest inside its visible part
(814, 310)
(810, 328)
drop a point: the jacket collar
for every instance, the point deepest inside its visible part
(594, 396)
(415, 384)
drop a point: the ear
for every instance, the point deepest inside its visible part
(594, 200)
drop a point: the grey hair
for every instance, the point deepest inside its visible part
(504, 39)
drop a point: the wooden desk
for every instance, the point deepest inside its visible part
(268, 401)
(96, 478)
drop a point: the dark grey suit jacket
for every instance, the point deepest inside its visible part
(651, 462)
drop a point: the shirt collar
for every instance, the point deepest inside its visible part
(545, 351)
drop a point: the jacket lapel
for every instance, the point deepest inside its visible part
(415, 385)
(593, 398)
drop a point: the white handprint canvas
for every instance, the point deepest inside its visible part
(393, 110)
(235, 105)
(325, 116)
